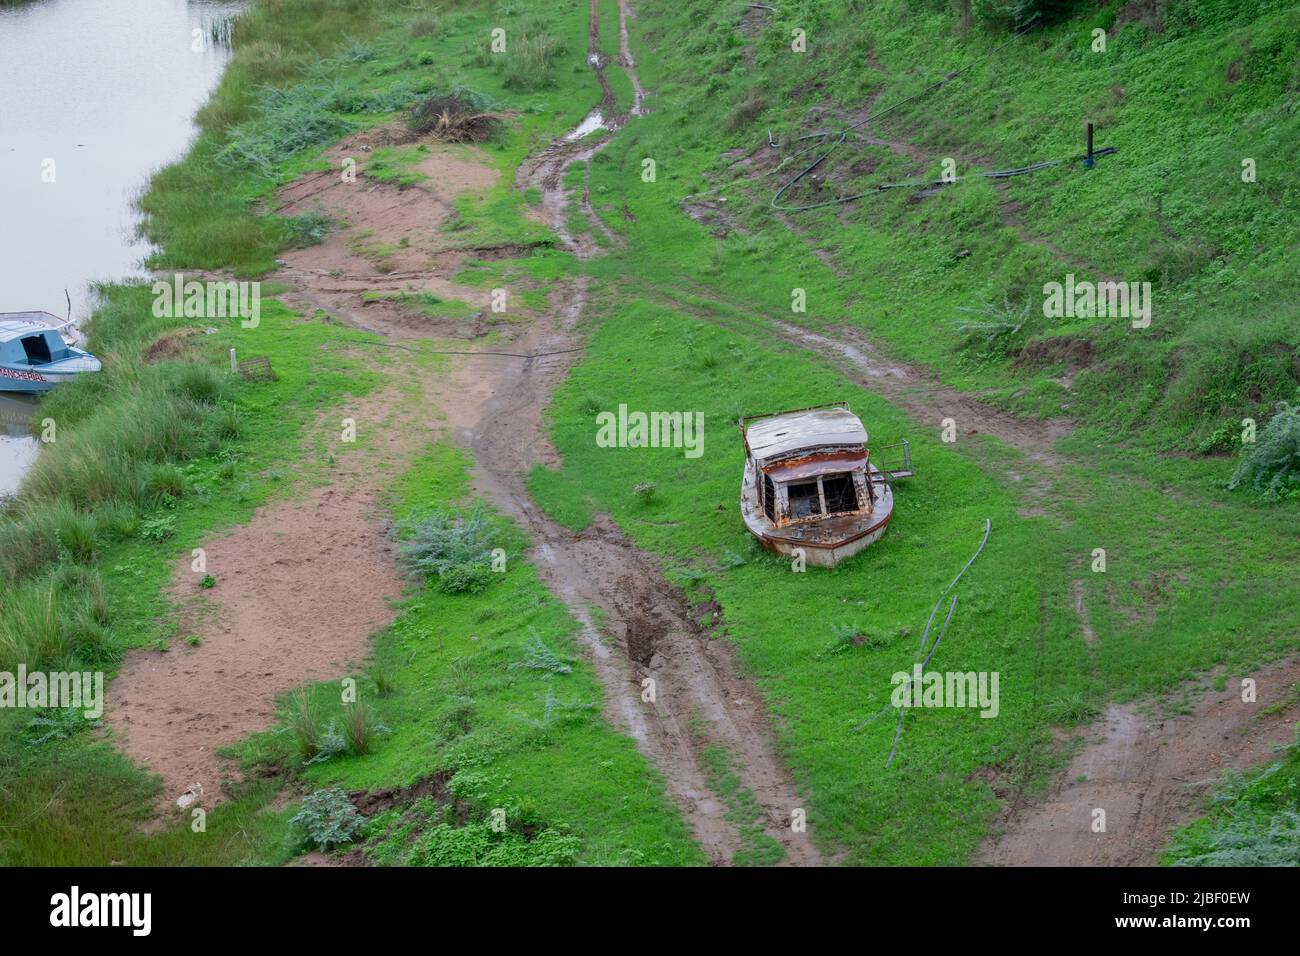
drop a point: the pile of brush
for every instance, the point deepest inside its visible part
(457, 116)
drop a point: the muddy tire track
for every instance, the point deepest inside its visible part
(910, 387)
(649, 629)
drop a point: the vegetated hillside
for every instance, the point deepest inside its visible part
(1188, 91)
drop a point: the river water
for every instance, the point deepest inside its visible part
(94, 96)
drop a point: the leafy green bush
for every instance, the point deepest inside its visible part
(54, 724)
(1271, 841)
(1253, 819)
(327, 820)
(997, 331)
(1271, 467)
(456, 550)
(310, 114)
(537, 656)
(158, 528)
(330, 745)
(476, 844)
(309, 228)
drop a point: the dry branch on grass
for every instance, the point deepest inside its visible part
(455, 117)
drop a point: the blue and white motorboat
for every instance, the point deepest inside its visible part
(34, 356)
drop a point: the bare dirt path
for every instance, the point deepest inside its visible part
(648, 629)
(1149, 775)
(387, 245)
(304, 584)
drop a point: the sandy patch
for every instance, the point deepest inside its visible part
(300, 589)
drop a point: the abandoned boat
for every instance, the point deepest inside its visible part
(810, 484)
(34, 356)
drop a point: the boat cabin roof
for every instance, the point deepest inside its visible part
(15, 325)
(806, 468)
(805, 431)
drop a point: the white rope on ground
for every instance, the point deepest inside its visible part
(929, 624)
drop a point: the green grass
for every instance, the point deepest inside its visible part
(1170, 208)
(565, 500)
(396, 164)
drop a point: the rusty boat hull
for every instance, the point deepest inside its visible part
(824, 541)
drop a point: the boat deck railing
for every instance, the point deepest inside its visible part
(895, 460)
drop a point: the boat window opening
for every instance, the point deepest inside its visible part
(805, 500)
(840, 493)
(769, 498)
(37, 349)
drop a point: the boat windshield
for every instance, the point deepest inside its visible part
(37, 349)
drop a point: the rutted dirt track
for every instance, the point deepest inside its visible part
(496, 409)
(289, 606)
(1149, 776)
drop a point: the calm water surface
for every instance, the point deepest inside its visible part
(94, 96)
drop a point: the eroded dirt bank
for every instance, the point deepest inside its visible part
(1149, 775)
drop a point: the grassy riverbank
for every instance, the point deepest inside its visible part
(164, 449)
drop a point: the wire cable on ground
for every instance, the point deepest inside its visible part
(929, 624)
(844, 135)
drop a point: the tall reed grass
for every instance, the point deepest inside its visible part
(529, 60)
(190, 212)
(122, 436)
